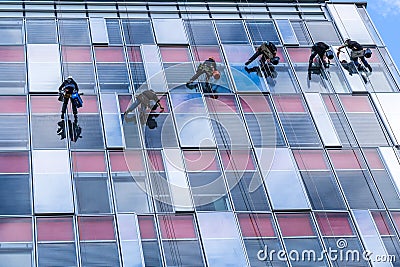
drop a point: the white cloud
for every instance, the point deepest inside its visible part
(385, 7)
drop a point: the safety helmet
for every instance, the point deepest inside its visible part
(329, 54)
(70, 77)
(216, 74)
(275, 60)
(367, 53)
(347, 40)
(211, 58)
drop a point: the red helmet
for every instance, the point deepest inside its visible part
(216, 74)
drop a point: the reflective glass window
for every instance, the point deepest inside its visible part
(162, 29)
(323, 31)
(231, 32)
(11, 31)
(263, 31)
(12, 70)
(150, 246)
(201, 32)
(74, 32)
(137, 32)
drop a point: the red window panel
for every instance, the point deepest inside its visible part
(344, 159)
(146, 227)
(373, 159)
(174, 54)
(310, 159)
(224, 104)
(381, 221)
(109, 54)
(55, 229)
(15, 230)
(13, 104)
(255, 103)
(124, 102)
(45, 104)
(201, 160)
(127, 161)
(289, 103)
(237, 160)
(14, 162)
(299, 55)
(174, 227)
(12, 54)
(96, 228)
(334, 224)
(77, 54)
(295, 224)
(201, 53)
(88, 162)
(256, 225)
(134, 54)
(89, 104)
(330, 103)
(356, 103)
(155, 160)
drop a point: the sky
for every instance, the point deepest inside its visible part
(385, 15)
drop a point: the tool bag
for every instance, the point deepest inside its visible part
(76, 100)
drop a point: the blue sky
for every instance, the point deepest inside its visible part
(385, 14)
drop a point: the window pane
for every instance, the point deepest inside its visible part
(231, 32)
(74, 32)
(162, 29)
(138, 32)
(15, 230)
(11, 31)
(323, 31)
(15, 194)
(201, 32)
(96, 228)
(189, 253)
(92, 193)
(263, 31)
(295, 224)
(256, 225)
(57, 255)
(41, 31)
(55, 229)
(95, 254)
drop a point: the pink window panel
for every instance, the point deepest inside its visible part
(289, 103)
(13, 104)
(174, 54)
(330, 103)
(109, 54)
(134, 54)
(344, 159)
(96, 228)
(295, 225)
(255, 103)
(237, 160)
(310, 159)
(127, 161)
(279, 53)
(55, 229)
(256, 225)
(45, 104)
(175, 227)
(12, 54)
(88, 162)
(124, 102)
(334, 224)
(89, 105)
(155, 160)
(224, 104)
(396, 219)
(299, 55)
(201, 160)
(15, 230)
(146, 227)
(373, 159)
(201, 53)
(14, 162)
(381, 221)
(356, 103)
(77, 54)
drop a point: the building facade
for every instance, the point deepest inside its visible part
(260, 171)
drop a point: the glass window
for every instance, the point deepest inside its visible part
(112, 121)
(323, 31)
(263, 31)
(231, 32)
(177, 66)
(281, 178)
(12, 70)
(92, 193)
(52, 181)
(98, 30)
(55, 229)
(128, 229)
(153, 67)
(150, 246)
(113, 31)
(11, 31)
(162, 29)
(287, 33)
(43, 67)
(138, 32)
(99, 253)
(380, 79)
(363, 120)
(386, 105)
(201, 32)
(41, 31)
(137, 67)
(58, 254)
(96, 228)
(74, 32)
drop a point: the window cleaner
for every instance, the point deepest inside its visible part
(358, 52)
(324, 53)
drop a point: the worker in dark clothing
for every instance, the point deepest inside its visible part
(209, 68)
(357, 52)
(69, 89)
(147, 100)
(265, 68)
(323, 51)
(267, 51)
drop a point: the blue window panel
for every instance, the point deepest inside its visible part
(231, 32)
(188, 103)
(201, 32)
(263, 31)
(138, 32)
(161, 136)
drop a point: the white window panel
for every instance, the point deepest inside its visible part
(52, 182)
(44, 67)
(163, 27)
(350, 23)
(112, 121)
(322, 119)
(153, 68)
(287, 32)
(282, 179)
(387, 105)
(98, 29)
(181, 197)
(392, 164)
